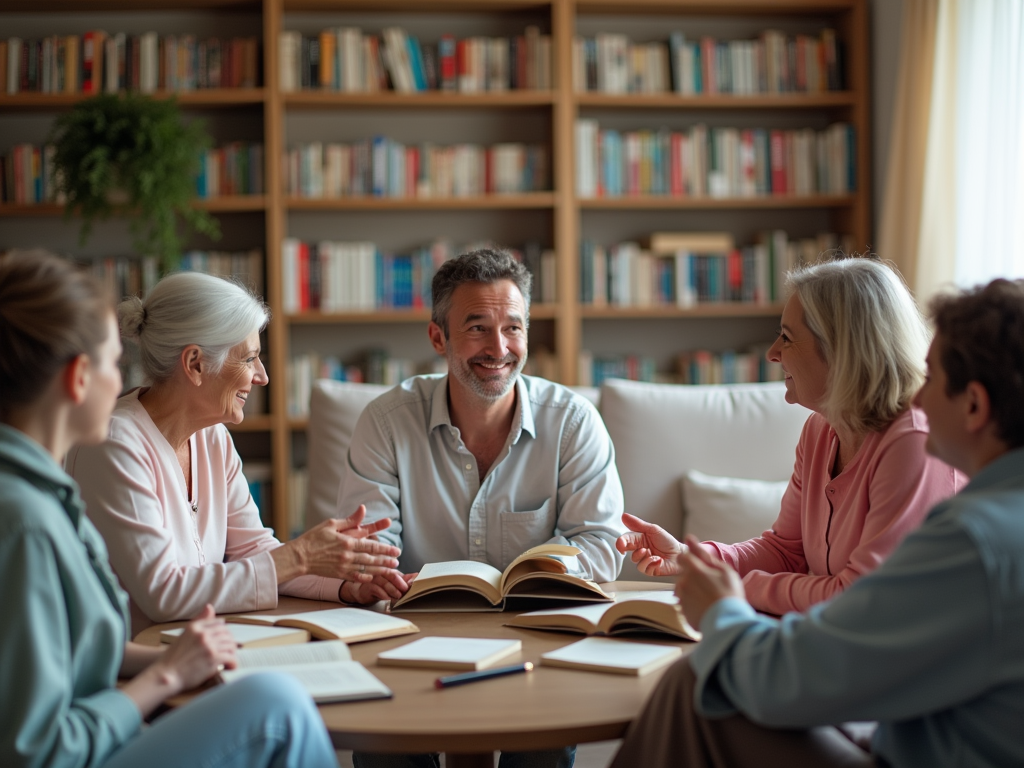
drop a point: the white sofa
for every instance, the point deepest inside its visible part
(661, 434)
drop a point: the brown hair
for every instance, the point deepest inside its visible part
(50, 312)
(481, 266)
(980, 333)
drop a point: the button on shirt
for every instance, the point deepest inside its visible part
(554, 481)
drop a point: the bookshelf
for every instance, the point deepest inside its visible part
(558, 219)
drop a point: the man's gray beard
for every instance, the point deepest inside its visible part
(466, 377)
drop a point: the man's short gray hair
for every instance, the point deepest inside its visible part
(482, 266)
(190, 308)
(871, 334)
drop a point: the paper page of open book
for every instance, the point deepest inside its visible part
(328, 681)
(346, 622)
(489, 575)
(545, 557)
(247, 633)
(308, 653)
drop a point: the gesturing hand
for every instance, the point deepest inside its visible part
(343, 549)
(389, 586)
(704, 580)
(653, 549)
(199, 652)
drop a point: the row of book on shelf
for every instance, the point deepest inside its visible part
(382, 167)
(259, 476)
(714, 162)
(97, 62)
(27, 173)
(332, 276)
(693, 367)
(772, 63)
(685, 269)
(345, 59)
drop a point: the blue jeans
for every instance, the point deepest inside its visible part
(263, 721)
(547, 758)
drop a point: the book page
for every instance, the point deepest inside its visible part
(307, 653)
(468, 650)
(482, 571)
(327, 682)
(244, 634)
(347, 623)
(598, 653)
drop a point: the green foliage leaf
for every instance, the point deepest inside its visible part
(140, 147)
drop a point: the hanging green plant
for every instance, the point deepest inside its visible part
(132, 154)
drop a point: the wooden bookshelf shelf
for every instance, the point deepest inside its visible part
(731, 309)
(207, 99)
(644, 202)
(725, 101)
(226, 204)
(429, 99)
(537, 312)
(487, 202)
(258, 423)
(714, 7)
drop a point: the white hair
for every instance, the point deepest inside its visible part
(190, 308)
(871, 334)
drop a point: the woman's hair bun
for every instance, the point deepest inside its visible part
(131, 316)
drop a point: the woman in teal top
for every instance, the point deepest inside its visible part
(63, 638)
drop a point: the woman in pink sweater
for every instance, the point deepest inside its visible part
(166, 489)
(852, 345)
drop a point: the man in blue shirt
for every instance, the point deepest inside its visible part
(931, 645)
(483, 463)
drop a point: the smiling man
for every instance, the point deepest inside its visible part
(484, 463)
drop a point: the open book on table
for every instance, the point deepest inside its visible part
(466, 585)
(353, 625)
(326, 670)
(252, 635)
(632, 612)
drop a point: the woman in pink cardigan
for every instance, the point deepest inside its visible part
(166, 489)
(852, 345)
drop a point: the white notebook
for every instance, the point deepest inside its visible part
(601, 654)
(469, 653)
(325, 670)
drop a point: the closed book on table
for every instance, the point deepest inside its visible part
(252, 636)
(326, 670)
(456, 653)
(618, 657)
(353, 625)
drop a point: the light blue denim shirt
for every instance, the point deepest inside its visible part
(554, 481)
(931, 644)
(62, 620)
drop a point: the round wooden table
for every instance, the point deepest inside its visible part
(543, 709)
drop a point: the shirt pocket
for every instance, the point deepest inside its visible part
(522, 530)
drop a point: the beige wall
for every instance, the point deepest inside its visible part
(885, 38)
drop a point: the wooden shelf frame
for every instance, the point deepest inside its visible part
(848, 213)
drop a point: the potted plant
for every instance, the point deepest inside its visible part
(132, 153)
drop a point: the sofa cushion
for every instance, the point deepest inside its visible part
(662, 431)
(334, 407)
(729, 509)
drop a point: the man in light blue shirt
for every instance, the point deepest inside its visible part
(484, 463)
(931, 645)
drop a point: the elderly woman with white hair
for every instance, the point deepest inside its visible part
(852, 344)
(166, 490)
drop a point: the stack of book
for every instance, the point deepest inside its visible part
(233, 169)
(772, 63)
(26, 176)
(334, 276)
(686, 269)
(345, 59)
(714, 162)
(382, 167)
(97, 61)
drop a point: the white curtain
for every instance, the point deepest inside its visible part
(957, 215)
(989, 205)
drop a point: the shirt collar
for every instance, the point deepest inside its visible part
(1006, 467)
(522, 419)
(31, 461)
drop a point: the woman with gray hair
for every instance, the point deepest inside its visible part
(166, 489)
(852, 345)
